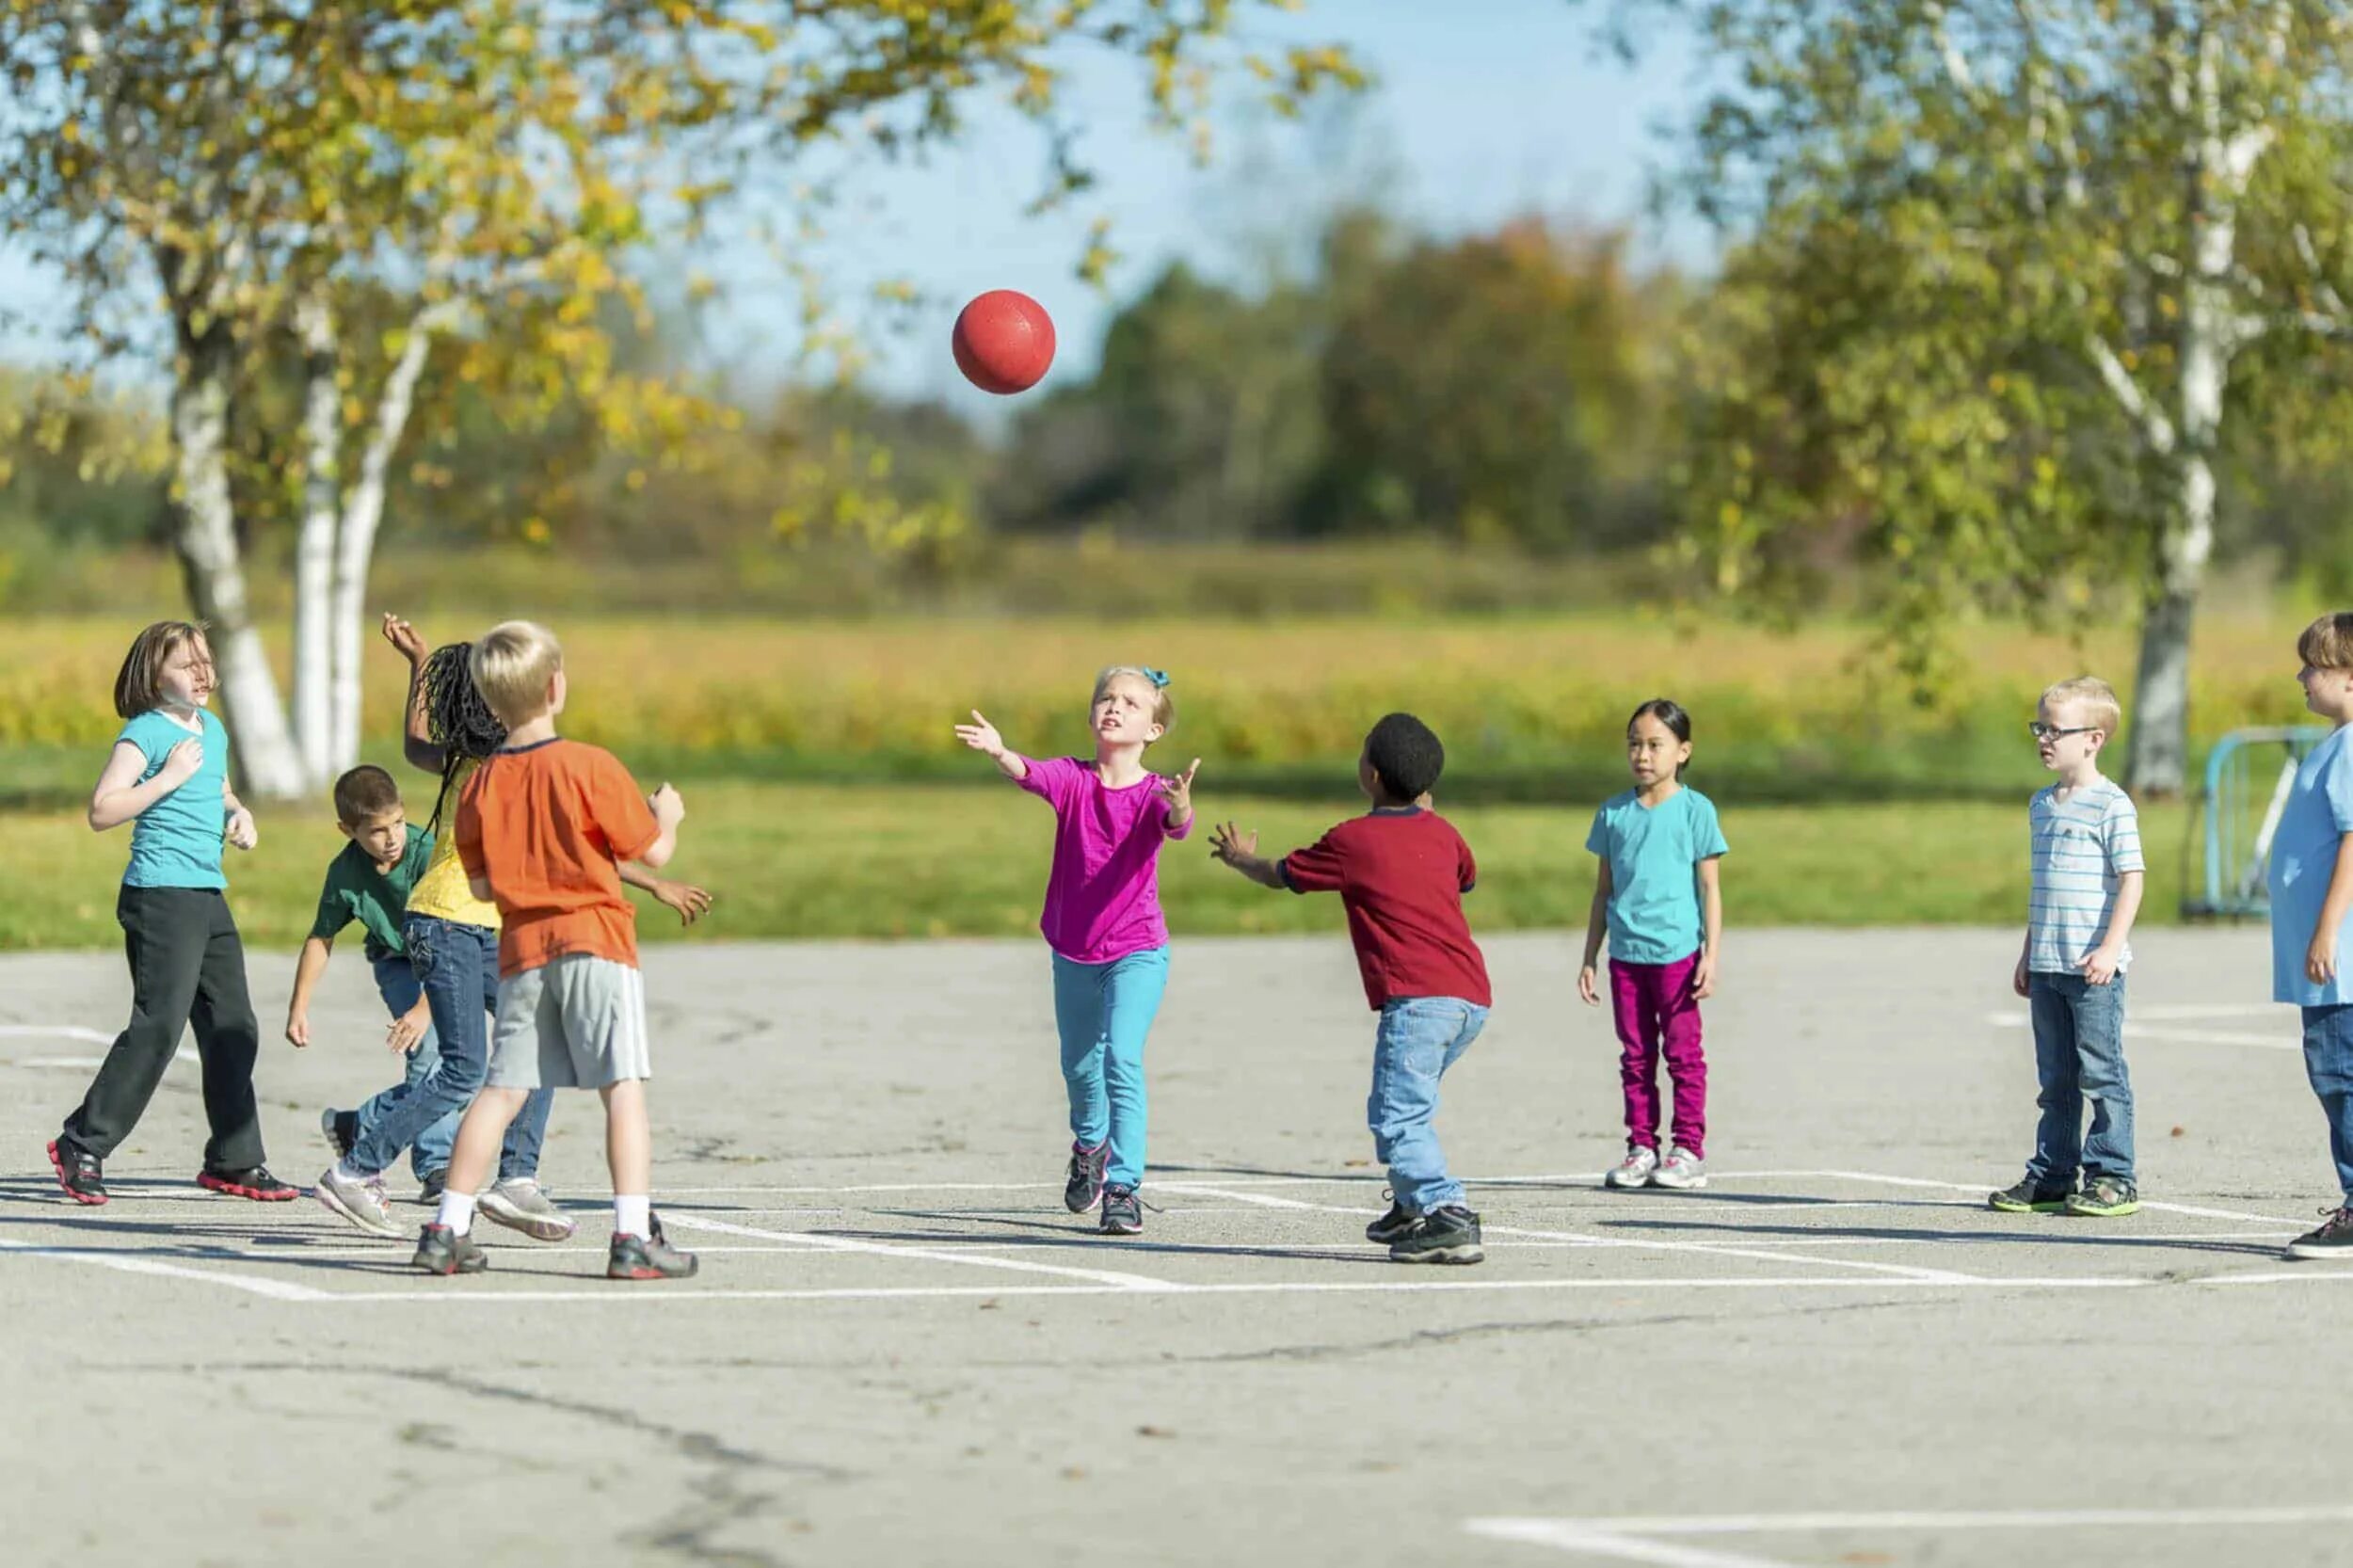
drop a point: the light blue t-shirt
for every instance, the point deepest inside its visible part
(2079, 852)
(2303, 857)
(1653, 855)
(176, 841)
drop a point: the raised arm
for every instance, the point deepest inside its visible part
(417, 739)
(982, 737)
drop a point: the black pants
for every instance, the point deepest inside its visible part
(187, 966)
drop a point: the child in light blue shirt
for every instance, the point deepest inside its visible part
(2311, 876)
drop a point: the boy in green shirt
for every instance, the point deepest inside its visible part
(369, 882)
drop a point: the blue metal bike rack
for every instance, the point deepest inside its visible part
(2239, 813)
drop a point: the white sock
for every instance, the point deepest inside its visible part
(457, 1211)
(633, 1216)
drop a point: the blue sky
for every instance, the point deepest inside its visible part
(1484, 109)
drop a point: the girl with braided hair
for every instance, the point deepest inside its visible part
(453, 939)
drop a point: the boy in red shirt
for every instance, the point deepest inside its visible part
(541, 828)
(1401, 870)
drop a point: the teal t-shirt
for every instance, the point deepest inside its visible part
(1653, 855)
(176, 841)
(355, 890)
(2317, 814)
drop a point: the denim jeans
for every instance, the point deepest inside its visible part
(1419, 1038)
(1103, 1011)
(2328, 1063)
(396, 983)
(2079, 1055)
(458, 967)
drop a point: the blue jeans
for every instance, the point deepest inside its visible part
(396, 983)
(2328, 1063)
(457, 968)
(1419, 1038)
(1103, 1011)
(2079, 1056)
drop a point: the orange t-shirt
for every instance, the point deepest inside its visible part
(545, 825)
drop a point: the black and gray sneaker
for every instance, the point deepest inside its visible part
(649, 1257)
(1444, 1235)
(1123, 1212)
(2031, 1196)
(442, 1251)
(1389, 1226)
(2333, 1240)
(78, 1172)
(1084, 1189)
(341, 1128)
(430, 1187)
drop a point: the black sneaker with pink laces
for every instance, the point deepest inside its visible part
(2333, 1240)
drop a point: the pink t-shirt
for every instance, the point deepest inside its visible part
(1103, 898)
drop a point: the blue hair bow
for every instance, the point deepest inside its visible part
(1158, 678)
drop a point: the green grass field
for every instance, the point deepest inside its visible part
(970, 860)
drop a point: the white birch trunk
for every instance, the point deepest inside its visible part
(354, 546)
(203, 525)
(315, 546)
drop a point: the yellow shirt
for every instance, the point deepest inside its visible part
(442, 891)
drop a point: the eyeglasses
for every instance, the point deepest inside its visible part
(2041, 731)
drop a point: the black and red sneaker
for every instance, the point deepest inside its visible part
(253, 1182)
(78, 1172)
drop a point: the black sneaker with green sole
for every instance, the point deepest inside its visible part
(2105, 1198)
(2031, 1198)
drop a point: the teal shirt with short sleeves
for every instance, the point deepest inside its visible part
(355, 890)
(2313, 824)
(176, 841)
(1655, 853)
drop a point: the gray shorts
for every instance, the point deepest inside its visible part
(576, 1022)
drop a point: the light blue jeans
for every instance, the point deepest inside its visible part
(1419, 1039)
(1103, 1011)
(2328, 1063)
(397, 983)
(2079, 1056)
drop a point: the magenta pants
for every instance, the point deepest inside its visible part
(1657, 1016)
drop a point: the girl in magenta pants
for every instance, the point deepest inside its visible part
(1656, 898)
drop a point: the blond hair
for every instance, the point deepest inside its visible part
(2095, 694)
(1163, 705)
(2328, 643)
(511, 665)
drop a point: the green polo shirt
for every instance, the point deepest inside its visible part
(355, 890)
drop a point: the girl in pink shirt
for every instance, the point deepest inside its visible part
(1104, 924)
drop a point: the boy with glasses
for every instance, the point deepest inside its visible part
(2086, 888)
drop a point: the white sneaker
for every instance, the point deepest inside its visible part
(1635, 1169)
(361, 1201)
(1683, 1171)
(518, 1203)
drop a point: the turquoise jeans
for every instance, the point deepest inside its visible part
(1103, 1011)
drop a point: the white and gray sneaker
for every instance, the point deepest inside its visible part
(1635, 1169)
(360, 1201)
(1682, 1171)
(516, 1203)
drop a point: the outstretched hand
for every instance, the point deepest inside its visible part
(1231, 845)
(403, 638)
(692, 903)
(1178, 792)
(982, 736)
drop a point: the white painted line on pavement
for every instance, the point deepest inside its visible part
(277, 1290)
(1605, 1537)
(841, 1244)
(1568, 1536)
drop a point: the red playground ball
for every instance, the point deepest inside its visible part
(1004, 341)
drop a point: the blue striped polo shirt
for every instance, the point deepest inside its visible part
(2082, 848)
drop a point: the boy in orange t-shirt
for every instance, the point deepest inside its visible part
(541, 830)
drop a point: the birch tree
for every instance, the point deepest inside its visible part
(220, 180)
(2008, 272)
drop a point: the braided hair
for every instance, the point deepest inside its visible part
(457, 717)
